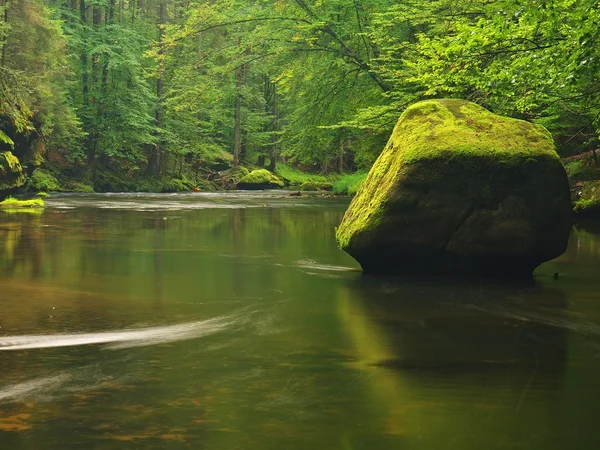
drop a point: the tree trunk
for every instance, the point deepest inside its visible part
(341, 156)
(83, 57)
(160, 86)
(96, 21)
(104, 85)
(275, 135)
(237, 130)
(245, 76)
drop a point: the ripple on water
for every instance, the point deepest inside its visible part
(177, 201)
(128, 338)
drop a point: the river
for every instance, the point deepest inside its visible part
(232, 321)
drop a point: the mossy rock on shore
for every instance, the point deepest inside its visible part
(260, 179)
(13, 203)
(587, 200)
(459, 190)
(316, 186)
(11, 172)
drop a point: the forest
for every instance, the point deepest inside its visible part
(172, 95)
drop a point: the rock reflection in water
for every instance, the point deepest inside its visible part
(448, 362)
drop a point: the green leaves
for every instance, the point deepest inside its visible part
(5, 139)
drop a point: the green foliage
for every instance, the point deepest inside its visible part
(34, 111)
(349, 184)
(43, 181)
(113, 181)
(174, 185)
(536, 59)
(321, 83)
(296, 177)
(587, 203)
(582, 170)
(82, 188)
(11, 172)
(4, 139)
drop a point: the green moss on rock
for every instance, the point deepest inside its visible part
(459, 189)
(260, 179)
(11, 172)
(316, 186)
(13, 203)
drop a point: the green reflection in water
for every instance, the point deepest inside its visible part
(318, 356)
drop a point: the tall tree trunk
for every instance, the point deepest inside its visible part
(341, 156)
(85, 78)
(93, 102)
(237, 130)
(160, 86)
(133, 6)
(96, 21)
(104, 85)
(83, 57)
(245, 77)
(275, 136)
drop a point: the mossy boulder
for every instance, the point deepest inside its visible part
(587, 199)
(459, 190)
(316, 186)
(260, 179)
(11, 172)
(42, 181)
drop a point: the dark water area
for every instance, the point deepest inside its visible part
(232, 321)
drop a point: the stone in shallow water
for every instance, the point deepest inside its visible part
(459, 190)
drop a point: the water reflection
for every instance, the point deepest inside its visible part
(321, 357)
(448, 359)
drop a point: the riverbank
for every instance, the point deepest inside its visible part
(584, 179)
(107, 180)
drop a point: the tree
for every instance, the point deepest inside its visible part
(34, 112)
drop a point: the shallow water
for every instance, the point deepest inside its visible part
(231, 321)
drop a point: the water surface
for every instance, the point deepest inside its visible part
(232, 321)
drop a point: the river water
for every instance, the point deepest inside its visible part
(232, 321)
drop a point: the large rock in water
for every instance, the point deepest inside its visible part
(459, 190)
